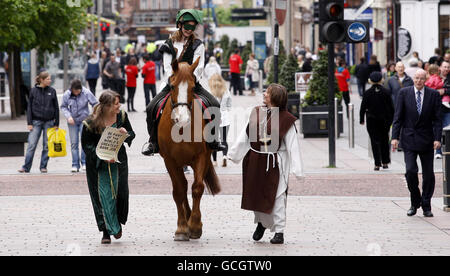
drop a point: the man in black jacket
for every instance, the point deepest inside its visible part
(362, 75)
(418, 115)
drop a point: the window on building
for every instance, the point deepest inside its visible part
(155, 5)
(164, 4)
(444, 27)
(143, 5)
(175, 4)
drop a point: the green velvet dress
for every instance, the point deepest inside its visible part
(108, 183)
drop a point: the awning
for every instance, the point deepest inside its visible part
(94, 17)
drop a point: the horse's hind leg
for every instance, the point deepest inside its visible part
(195, 221)
(179, 194)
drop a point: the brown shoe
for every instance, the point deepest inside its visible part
(44, 170)
(22, 170)
(118, 235)
(224, 162)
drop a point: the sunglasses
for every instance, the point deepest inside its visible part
(188, 26)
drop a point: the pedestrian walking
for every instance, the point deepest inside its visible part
(212, 68)
(236, 62)
(444, 92)
(398, 81)
(343, 78)
(252, 72)
(266, 170)
(42, 113)
(418, 115)
(107, 180)
(75, 107)
(378, 108)
(218, 88)
(362, 75)
(132, 72)
(374, 65)
(93, 71)
(149, 76)
(185, 47)
(114, 73)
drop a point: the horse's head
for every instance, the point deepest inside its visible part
(182, 84)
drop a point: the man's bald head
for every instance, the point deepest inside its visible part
(419, 79)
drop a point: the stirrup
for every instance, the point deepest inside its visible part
(149, 149)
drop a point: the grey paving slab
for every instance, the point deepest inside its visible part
(65, 225)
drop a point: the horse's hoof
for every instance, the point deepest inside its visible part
(195, 234)
(181, 237)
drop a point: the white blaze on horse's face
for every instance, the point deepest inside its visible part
(182, 115)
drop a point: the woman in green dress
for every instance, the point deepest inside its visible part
(107, 180)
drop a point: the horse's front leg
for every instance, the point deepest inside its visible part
(195, 221)
(179, 193)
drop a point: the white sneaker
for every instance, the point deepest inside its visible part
(83, 168)
(438, 156)
(74, 169)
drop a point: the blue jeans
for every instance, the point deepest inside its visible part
(39, 127)
(75, 134)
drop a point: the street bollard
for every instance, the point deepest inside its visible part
(351, 126)
(446, 167)
(336, 126)
(260, 84)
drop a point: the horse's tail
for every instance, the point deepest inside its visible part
(211, 179)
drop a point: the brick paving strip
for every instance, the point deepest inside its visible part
(378, 185)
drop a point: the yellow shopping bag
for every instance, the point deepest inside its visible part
(56, 142)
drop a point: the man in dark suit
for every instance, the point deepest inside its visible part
(417, 114)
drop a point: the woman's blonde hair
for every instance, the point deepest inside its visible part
(106, 100)
(177, 36)
(217, 85)
(433, 69)
(42, 76)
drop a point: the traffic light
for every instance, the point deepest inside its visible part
(334, 29)
(316, 12)
(331, 21)
(104, 27)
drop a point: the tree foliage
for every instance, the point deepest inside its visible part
(317, 93)
(41, 24)
(287, 73)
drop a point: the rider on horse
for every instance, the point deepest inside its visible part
(184, 46)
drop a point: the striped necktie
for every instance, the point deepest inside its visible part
(419, 102)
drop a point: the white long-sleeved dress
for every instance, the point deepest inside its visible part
(289, 160)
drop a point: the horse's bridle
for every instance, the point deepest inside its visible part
(174, 105)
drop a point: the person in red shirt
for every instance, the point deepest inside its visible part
(235, 62)
(343, 79)
(148, 73)
(132, 72)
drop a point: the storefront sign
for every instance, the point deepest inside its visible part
(404, 43)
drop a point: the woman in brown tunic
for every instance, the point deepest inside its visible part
(269, 147)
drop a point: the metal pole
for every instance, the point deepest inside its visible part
(99, 14)
(66, 66)
(260, 84)
(276, 49)
(351, 126)
(331, 109)
(336, 129)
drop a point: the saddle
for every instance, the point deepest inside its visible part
(162, 103)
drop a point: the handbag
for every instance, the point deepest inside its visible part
(56, 142)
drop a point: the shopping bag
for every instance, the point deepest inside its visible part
(56, 142)
(246, 83)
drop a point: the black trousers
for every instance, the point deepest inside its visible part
(130, 99)
(92, 85)
(147, 89)
(379, 138)
(223, 138)
(152, 124)
(412, 178)
(346, 97)
(236, 83)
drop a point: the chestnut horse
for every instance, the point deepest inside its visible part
(178, 116)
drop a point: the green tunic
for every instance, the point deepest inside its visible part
(108, 183)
